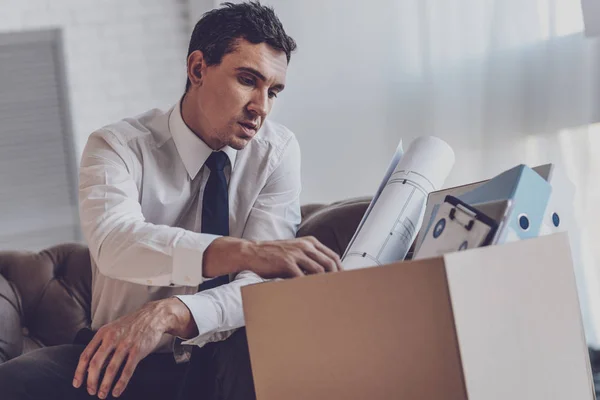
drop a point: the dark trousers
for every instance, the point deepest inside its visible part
(216, 371)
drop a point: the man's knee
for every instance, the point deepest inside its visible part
(45, 373)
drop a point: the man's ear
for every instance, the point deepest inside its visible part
(195, 67)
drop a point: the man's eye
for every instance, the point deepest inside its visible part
(272, 95)
(246, 81)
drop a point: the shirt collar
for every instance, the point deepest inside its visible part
(192, 150)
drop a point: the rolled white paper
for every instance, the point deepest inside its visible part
(394, 221)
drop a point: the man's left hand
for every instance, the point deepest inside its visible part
(128, 340)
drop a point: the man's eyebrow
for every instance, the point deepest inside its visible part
(279, 87)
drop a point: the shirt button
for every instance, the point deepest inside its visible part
(149, 282)
(25, 331)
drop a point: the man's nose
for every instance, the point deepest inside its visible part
(259, 104)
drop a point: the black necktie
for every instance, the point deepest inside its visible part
(215, 207)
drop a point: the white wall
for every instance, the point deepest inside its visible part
(484, 76)
(123, 57)
(337, 95)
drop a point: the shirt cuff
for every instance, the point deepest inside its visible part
(188, 256)
(206, 314)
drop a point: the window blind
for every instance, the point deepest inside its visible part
(37, 170)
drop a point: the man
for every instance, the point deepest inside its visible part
(205, 193)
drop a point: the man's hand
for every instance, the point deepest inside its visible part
(291, 258)
(126, 341)
(273, 259)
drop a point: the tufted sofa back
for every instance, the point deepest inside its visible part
(45, 297)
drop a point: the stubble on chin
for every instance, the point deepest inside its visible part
(238, 144)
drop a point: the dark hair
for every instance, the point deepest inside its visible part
(218, 30)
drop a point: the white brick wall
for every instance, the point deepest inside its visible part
(123, 57)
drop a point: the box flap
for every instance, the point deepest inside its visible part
(518, 321)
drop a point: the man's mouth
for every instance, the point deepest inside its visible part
(249, 128)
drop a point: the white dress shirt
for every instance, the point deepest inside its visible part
(141, 183)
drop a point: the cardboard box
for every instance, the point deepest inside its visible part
(499, 322)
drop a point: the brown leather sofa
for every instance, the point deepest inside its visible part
(45, 296)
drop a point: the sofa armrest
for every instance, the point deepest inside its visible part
(53, 288)
(11, 339)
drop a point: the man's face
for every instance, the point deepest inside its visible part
(232, 100)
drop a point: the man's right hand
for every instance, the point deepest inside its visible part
(272, 259)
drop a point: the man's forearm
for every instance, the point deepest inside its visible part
(226, 255)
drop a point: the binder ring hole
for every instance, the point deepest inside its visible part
(439, 228)
(524, 222)
(555, 220)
